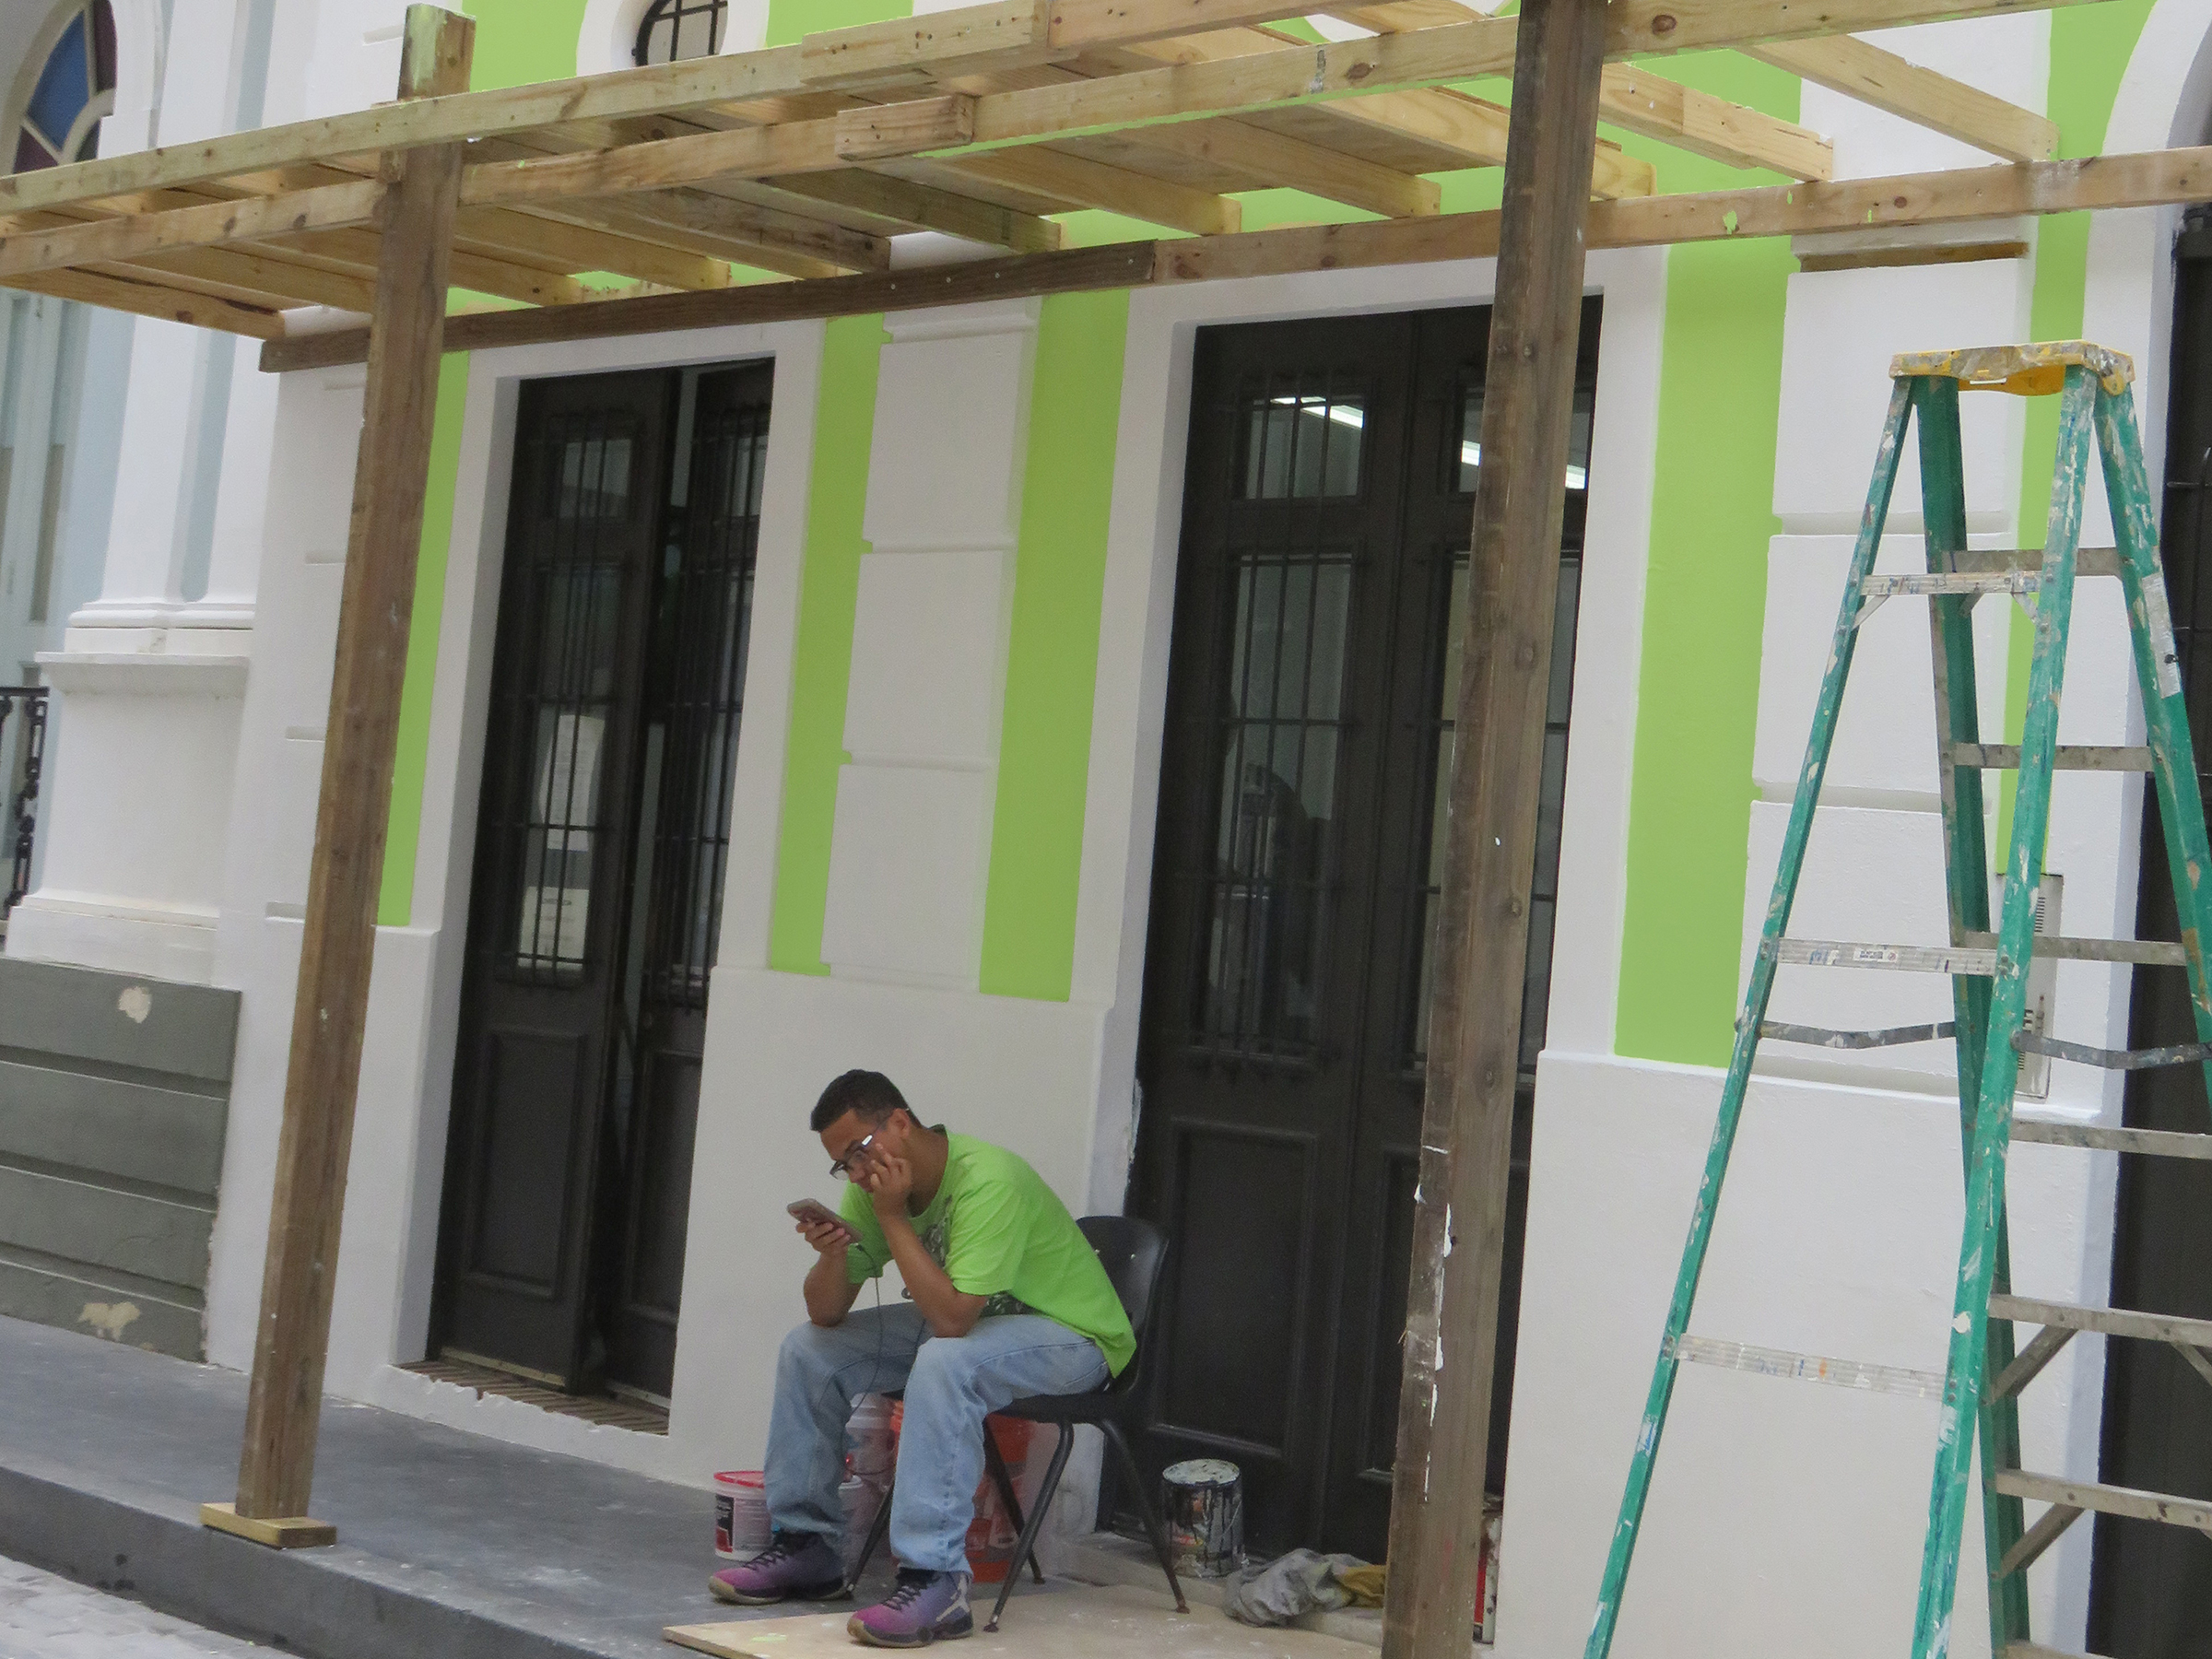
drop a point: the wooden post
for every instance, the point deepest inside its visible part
(1475, 1013)
(277, 1467)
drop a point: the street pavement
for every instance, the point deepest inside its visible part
(45, 1617)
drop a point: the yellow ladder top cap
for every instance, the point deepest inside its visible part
(2032, 370)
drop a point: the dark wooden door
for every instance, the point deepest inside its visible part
(2151, 1595)
(693, 698)
(584, 534)
(1328, 510)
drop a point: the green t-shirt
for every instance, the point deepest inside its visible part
(1000, 1232)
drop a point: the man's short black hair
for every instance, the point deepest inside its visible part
(871, 1094)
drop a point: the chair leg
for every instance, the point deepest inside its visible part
(879, 1530)
(1002, 1479)
(1144, 1504)
(1025, 1550)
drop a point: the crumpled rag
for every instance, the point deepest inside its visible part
(1275, 1593)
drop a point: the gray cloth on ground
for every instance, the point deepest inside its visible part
(1275, 1593)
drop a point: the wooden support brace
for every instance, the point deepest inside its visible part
(1884, 81)
(1457, 1269)
(276, 1463)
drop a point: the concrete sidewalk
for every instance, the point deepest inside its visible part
(448, 1544)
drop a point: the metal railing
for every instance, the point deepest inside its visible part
(22, 758)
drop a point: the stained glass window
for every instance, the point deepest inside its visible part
(70, 88)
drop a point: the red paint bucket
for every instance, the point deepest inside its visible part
(740, 1514)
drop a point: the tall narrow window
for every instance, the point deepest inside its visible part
(69, 365)
(675, 29)
(66, 88)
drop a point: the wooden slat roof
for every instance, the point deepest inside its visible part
(987, 122)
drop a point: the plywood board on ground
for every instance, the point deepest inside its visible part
(1064, 1624)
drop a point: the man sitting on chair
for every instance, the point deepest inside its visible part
(1005, 1299)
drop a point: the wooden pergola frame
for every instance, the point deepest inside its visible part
(798, 163)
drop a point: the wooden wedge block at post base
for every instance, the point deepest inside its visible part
(288, 1532)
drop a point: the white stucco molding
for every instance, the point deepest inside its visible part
(144, 674)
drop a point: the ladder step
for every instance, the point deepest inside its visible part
(2106, 1499)
(1889, 1037)
(2144, 953)
(1810, 1368)
(2012, 580)
(2087, 561)
(2071, 757)
(2106, 1322)
(2151, 1142)
(1973, 958)
(2184, 1053)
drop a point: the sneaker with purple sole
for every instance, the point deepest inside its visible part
(924, 1607)
(795, 1567)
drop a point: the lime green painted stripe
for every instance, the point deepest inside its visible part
(403, 837)
(844, 424)
(1052, 661)
(1689, 804)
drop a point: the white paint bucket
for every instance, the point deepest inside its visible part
(740, 1514)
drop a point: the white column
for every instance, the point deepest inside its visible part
(911, 846)
(137, 805)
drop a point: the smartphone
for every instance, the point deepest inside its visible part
(814, 1209)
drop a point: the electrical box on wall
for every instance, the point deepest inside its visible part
(2042, 979)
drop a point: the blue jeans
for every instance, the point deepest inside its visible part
(951, 1382)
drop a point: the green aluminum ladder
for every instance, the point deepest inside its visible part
(1989, 973)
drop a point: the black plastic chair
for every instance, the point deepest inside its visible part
(1135, 1254)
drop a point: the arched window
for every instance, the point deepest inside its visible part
(65, 89)
(675, 29)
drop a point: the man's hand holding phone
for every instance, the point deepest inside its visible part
(821, 1227)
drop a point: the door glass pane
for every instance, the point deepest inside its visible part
(1279, 743)
(591, 479)
(1302, 443)
(1578, 440)
(1550, 805)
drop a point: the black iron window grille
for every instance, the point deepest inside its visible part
(704, 655)
(674, 30)
(22, 758)
(573, 643)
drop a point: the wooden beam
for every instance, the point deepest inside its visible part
(1089, 184)
(146, 297)
(277, 1465)
(257, 277)
(914, 205)
(1287, 159)
(211, 225)
(500, 233)
(709, 223)
(1073, 270)
(1646, 103)
(1713, 127)
(1922, 96)
(1474, 1016)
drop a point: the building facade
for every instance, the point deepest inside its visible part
(1043, 702)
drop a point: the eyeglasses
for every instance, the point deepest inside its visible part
(844, 1165)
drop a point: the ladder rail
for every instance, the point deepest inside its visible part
(1756, 996)
(1966, 893)
(1967, 1361)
